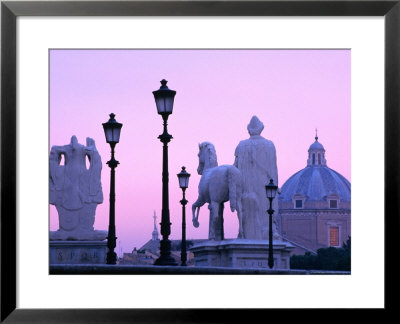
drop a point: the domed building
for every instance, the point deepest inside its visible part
(315, 205)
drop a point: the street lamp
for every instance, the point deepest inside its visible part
(112, 131)
(271, 193)
(183, 178)
(164, 98)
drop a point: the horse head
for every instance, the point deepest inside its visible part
(207, 157)
(201, 160)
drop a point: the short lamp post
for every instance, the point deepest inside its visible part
(271, 193)
(164, 98)
(183, 178)
(112, 131)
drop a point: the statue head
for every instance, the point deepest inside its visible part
(255, 127)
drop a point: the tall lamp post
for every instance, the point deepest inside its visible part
(271, 193)
(112, 131)
(183, 178)
(164, 98)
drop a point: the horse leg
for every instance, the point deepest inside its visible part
(213, 221)
(210, 221)
(195, 218)
(221, 219)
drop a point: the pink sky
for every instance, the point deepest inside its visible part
(292, 92)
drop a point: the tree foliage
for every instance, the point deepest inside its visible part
(338, 259)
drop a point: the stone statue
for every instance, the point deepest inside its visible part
(218, 184)
(256, 159)
(75, 190)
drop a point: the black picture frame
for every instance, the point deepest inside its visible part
(10, 10)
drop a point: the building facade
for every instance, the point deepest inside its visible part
(315, 205)
(148, 253)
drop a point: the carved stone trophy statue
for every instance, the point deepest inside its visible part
(76, 190)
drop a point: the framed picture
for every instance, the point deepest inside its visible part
(279, 87)
(244, 25)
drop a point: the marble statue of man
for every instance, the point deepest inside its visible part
(76, 190)
(256, 159)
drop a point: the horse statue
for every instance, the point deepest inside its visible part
(218, 184)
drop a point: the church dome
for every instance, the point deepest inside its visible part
(316, 182)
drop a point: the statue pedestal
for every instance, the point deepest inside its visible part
(78, 252)
(241, 253)
(78, 235)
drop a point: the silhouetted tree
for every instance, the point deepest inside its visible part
(330, 258)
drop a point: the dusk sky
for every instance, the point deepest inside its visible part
(292, 92)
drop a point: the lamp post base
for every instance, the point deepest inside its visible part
(111, 258)
(165, 261)
(165, 257)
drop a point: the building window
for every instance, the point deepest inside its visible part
(313, 159)
(333, 236)
(333, 203)
(299, 203)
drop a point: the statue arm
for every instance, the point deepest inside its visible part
(268, 164)
(236, 162)
(274, 164)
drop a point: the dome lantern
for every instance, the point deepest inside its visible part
(316, 153)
